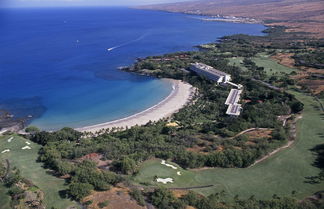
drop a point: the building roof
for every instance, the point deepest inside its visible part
(234, 109)
(209, 69)
(233, 97)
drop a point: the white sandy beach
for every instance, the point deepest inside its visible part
(179, 96)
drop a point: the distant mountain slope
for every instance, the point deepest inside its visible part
(298, 15)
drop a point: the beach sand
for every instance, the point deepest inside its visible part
(179, 97)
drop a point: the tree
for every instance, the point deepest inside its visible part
(103, 204)
(32, 129)
(126, 166)
(63, 167)
(297, 107)
(279, 134)
(79, 190)
(162, 198)
(137, 195)
(16, 192)
(13, 178)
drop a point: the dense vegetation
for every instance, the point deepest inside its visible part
(311, 59)
(164, 199)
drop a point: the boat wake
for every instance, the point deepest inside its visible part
(128, 42)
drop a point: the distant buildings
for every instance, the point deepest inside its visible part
(234, 109)
(210, 72)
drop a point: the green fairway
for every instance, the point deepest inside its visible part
(154, 167)
(280, 174)
(25, 161)
(271, 66)
(238, 62)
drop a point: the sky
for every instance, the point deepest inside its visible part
(50, 3)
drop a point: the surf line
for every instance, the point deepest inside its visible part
(128, 42)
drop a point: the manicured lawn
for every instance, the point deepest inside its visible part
(154, 167)
(262, 60)
(280, 174)
(238, 62)
(25, 161)
(271, 66)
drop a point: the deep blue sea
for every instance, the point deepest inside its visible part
(55, 66)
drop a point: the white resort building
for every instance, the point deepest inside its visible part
(210, 72)
(234, 109)
(233, 96)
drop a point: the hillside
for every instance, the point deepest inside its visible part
(297, 15)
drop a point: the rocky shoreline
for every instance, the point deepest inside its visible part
(9, 123)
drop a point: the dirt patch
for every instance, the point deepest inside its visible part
(117, 198)
(285, 59)
(197, 149)
(237, 148)
(311, 78)
(97, 158)
(303, 76)
(313, 70)
(179, 193)
(220, 148)
(251, 143)
(316, 86)
(257, 134)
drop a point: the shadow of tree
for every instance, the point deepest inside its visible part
(318, 150)
(312, 180)
(63, 194)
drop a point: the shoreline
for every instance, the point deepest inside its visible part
(222, 18)
(212, 17)
(180, 95)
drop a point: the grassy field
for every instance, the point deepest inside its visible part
(280, 174)
(238, 62)
(25, 161)
(262, 60)
(271, 66)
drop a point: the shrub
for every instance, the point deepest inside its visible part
(103, 204)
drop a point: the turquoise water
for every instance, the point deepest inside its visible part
(59, 65)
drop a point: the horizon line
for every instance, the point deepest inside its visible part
(67, 6)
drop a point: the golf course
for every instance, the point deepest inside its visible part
(25, 161)
(282, 174)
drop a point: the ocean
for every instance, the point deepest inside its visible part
(58, 66)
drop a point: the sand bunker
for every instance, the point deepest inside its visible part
(168, 165)
(164, 181)
(3, 131)
(28, 143)
(6, 150)
(10, 139)
(179, 173)
(26, 147)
